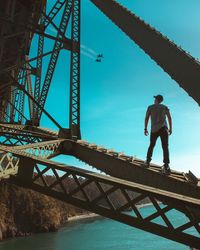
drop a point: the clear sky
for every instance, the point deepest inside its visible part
(116, 93)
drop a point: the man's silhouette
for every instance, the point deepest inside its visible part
(158, 113)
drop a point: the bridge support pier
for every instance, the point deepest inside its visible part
(25, 171)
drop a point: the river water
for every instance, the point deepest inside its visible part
(95, 234)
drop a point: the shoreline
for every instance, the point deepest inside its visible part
(83, 217)
(93, 215)
(76, 218)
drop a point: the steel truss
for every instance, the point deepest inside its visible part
(20, 73)
(20, 135)
(33, 170)
(8, 165)
(39, 64)
(54, 56)
(75, 72)
(50, 178)
(47, 149)
(26, 148)
(17, 139)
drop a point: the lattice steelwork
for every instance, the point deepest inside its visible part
(20, 135)
(8, 165)
(26, 148)
(53, 179)
(75, 72)
(46, 149)
(23, 75)
(21, 100)
(54, 56)
(39, 63)
(18, 139)
(54, 11)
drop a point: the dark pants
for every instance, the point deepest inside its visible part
(163, 134)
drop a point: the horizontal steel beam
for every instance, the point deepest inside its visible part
(36, 29)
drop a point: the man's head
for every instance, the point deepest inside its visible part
(158, 99)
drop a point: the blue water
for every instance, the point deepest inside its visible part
(95, 234)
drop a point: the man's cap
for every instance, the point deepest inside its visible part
(159, 98)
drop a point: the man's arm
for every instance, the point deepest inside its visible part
(169, 121)
(146, 122)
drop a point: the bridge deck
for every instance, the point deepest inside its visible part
(131, 169)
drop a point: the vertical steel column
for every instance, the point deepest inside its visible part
(39, 65)
(30, 91)
(12, 100)
(22, 97)
(6, 117)
(54, 56)
(75, 72)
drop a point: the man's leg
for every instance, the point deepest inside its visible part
(164, 139)
(153, 138)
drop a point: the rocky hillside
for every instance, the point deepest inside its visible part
(23, 212)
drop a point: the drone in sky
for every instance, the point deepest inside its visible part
(99, 58)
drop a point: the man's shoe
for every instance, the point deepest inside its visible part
(166, 169)
(146, 164)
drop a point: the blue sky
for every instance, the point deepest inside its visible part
(116, 93)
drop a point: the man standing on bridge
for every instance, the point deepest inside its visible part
(159, 128)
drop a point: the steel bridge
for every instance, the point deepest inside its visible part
(27, 149)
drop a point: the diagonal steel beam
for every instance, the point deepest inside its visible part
(31, 97)
(128, 168)
(14, 106)
(176, 62)
(54, 11)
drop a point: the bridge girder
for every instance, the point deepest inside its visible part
(32, 169)
(50, 178)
